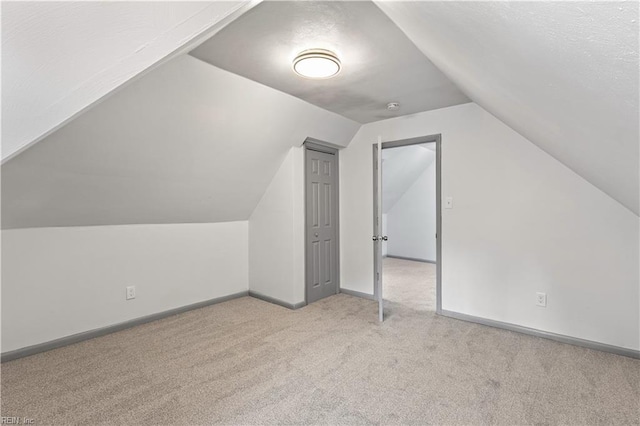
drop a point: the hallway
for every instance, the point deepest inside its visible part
(409, 283)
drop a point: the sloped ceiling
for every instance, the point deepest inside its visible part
(60, 57)
(563, 74)
(400, 168)
(379, 63)
(188, 142)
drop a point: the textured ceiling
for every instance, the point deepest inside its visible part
(60, 57)
(380, 64)
(189, 142)
(176, 146)
(563, 74)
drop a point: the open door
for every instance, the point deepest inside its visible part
(378, 238)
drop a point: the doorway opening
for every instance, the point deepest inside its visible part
(407, 225)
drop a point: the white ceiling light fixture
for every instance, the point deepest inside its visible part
(393, 106)
(317, 64)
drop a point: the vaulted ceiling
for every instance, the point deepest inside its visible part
(379, 63)
(187, 143)
(58, 58)
(183, 140)
(563, 74)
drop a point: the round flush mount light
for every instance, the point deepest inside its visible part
(317, 64)
(393, 106)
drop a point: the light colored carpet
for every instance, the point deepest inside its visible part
(250, 362)
(410, 284)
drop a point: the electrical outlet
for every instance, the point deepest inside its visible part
(541, 299)
(131, 292)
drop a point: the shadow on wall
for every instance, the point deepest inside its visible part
(409, 201)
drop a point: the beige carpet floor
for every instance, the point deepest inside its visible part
(410, 284)
(250, 362)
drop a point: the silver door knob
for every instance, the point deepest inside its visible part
(385, 238)
(375, 238)
(316, 234)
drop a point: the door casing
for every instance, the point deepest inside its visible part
(377, 265)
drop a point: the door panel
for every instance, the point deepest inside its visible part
(322, 262)
(315, 204)
(327, 265)
(315, 268)
(328, 205)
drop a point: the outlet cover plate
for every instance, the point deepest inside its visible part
(131, 292)
(448, 203)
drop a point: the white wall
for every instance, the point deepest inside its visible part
(521, 223)
(276, 234)
(411, 221)
(158, 150)
(61, 281)
(85, 50)
(563, 74)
